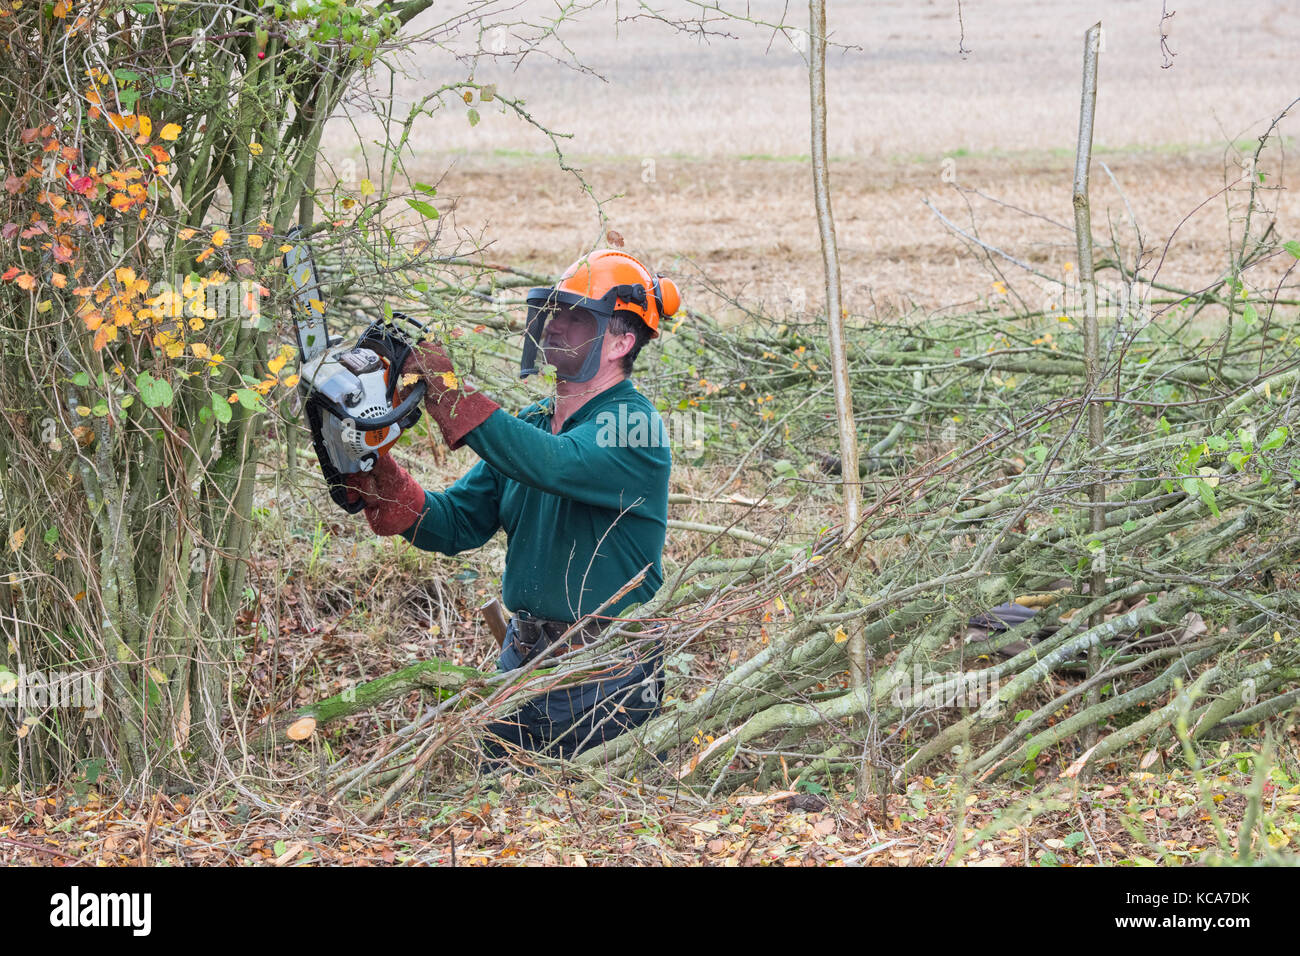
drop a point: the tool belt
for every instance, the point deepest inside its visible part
(534, 634)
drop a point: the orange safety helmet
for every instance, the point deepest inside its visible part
(594, 288)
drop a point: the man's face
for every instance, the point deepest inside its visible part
(567, 338)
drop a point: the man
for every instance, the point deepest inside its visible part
(578, 482)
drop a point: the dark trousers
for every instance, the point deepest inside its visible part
(567, 721)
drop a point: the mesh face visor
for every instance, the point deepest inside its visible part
(565, 330)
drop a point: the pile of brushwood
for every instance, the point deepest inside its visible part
(975, 479)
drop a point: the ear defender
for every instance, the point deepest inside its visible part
(667, 298)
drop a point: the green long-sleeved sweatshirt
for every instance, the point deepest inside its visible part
(583, 511)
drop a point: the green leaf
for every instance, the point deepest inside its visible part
(205, 413)
(1073, 840)
(423, 208)
(126, 76)
(1129, 525)
(250, 399)
(100, 409)
(1248, 314)
(221, 408)
(154, 392)
(1292, 247)
(144, 9)
(1023, 714)
(1217, 443)
(473, 117)
(164, 82)
(426, 189)
(1207, 495)
(1276, 439)
(1237, 459)
(280, 848)
(81, 378)
(52, 536)
(1163, 425)
(127, 401)
(128, 99)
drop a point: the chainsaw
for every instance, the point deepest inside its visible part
(348, 391)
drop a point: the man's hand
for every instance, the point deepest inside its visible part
(457, 408)
(394, 500)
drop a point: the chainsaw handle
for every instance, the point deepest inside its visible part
(396, 415)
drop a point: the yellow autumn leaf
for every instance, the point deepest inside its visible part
(169, 132)
(158, 676)
(449, 379)
(840, 635)
(255, 149)
(200, 350)
(219, 238)
(407, 380)
(187, 233)
(16, 539)
(367, 187)
(146, 126)
(255, 241)
(276, 364)
(291, 381)
(317, 305)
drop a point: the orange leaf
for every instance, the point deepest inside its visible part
(300, 729)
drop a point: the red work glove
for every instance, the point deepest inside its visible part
(455, 406)
(394, 500)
